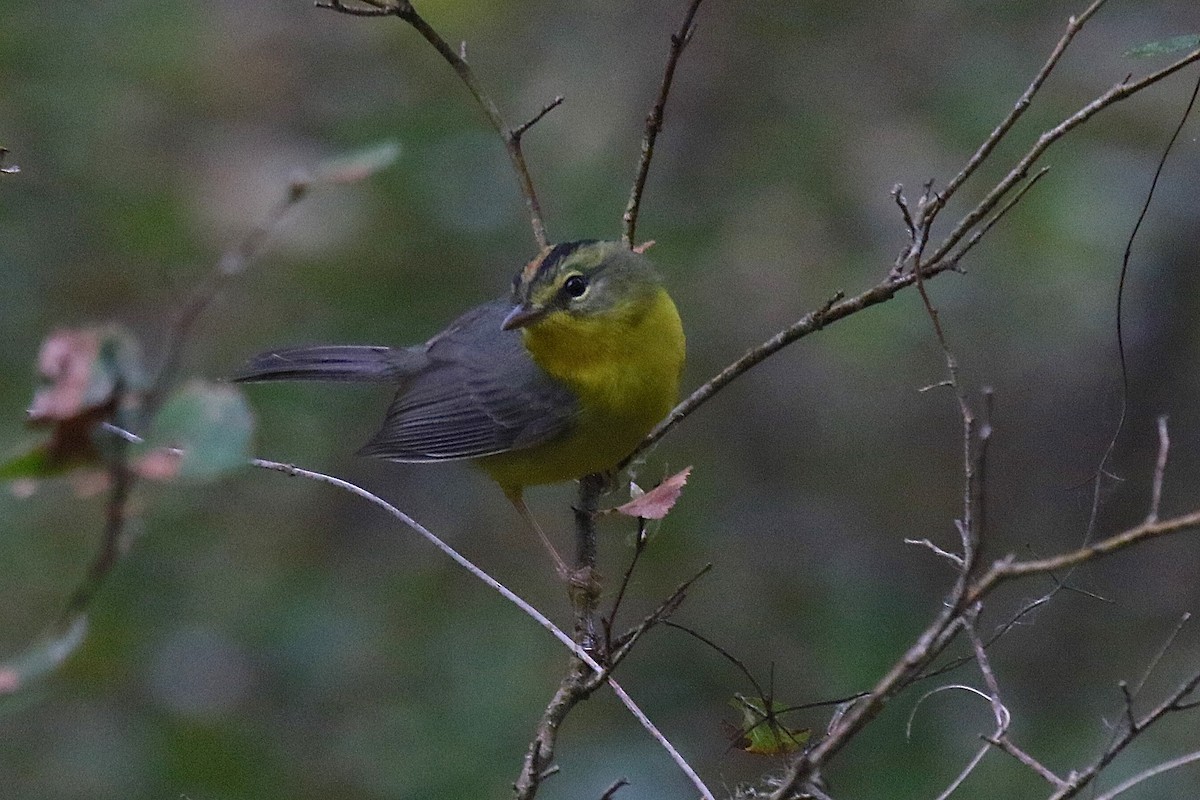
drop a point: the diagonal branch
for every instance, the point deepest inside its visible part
(654, 123)
(1074, 24)
(944, 258)
(457, 61)
(583, 666)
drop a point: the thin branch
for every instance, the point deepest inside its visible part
(1145, 775)
(1174, 702)
(233, 262)
(942, 630)
(1074, 24)
(654, 123)
(1160, 469)
(1002, 720)
(609, 621)
(553, 104)
(580, 654)
(1118, 92)
(665, 609)
(457, 61)
(935, 265)
(987, 226)
(585, 585)
(953, 558)
(611, 791)
(968, 525)
(454, 555)
(1162, 651)
(1007, 569)
(1005, 744)
(373, 9)
(1001, 739)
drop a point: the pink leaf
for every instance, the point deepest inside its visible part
(655, 503)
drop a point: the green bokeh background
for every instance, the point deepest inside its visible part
(271, 638)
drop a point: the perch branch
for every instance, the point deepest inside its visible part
(589, 664)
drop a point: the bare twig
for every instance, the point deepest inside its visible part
(1147, 774)
(609, 621)
(1007, 569)
(937, 263)
(942, 630)
(611, 791)
(1074, 24)
(372, 9)
(586, 663)
(1160, 469)
(654, 122)
(1003, 718)
(968, 525)
(1118, 92)
(457, 61)
(1001, 739)
(953, 558)
(233, 262)
(665, 609)
(1006, 744)
(1173, 703)
(1162, 651)
(519, 131)
(585, 585)
(954, 258)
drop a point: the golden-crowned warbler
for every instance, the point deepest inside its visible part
(560, 380)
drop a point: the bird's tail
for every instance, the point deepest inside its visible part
(363, 364)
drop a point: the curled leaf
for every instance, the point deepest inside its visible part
(655, 503)
(7, 169)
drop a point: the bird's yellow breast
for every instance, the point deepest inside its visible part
(623, 366)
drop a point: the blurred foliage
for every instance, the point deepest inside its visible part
(268, 639)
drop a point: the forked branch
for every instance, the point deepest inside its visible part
(458, 62)
(967, 232)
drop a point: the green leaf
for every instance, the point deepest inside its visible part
(210, 426)
(762, 733)
(37, 462)
(1164, 47)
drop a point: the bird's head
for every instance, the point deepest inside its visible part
(585, 279)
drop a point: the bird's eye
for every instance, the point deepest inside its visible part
(575, 286)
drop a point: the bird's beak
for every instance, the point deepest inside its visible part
(521, 316)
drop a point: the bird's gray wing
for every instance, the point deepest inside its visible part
(478, 394)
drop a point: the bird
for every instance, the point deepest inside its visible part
(561, 379)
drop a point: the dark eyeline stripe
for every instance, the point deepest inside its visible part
(555, 256)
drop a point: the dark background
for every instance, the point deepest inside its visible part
(272, 638)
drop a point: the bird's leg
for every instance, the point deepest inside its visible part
(559, 565)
